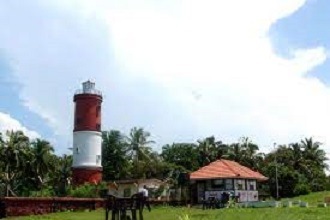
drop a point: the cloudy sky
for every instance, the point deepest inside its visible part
(182, 69)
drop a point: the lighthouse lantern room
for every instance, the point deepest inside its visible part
(87, 136)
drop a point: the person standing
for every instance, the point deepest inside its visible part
(145, 194)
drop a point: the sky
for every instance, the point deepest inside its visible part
(181, 69)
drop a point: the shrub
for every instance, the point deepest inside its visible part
(301, 189)
(87, 190)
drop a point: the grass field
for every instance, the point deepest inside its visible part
(170, 213)
(166, 213)
(312, 198)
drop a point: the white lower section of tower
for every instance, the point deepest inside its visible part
(87, 148)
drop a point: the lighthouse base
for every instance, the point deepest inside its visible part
(81, 175)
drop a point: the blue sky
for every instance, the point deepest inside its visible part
(11, 103)
(183, 70)
(305, 28)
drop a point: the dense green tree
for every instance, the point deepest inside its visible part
(235, 152)
(297, 157)
(313, 154)
(42, 161)
(251, 157)
(61, 178)
(14, 149)
(207, 149)
(301, 168)
(181, 154)
(315, 164)
(115, 160)
(32, 169)
(139, 143)
(246, 153)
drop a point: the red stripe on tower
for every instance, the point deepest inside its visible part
(87, 136)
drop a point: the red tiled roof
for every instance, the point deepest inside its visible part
(226, 169)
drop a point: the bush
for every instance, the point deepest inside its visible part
(87, 190)
(47, 192)
(301, 189)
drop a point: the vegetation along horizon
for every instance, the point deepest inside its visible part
(31, 168)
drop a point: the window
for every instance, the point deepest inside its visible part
(98, 127)
(98, 111)
(252, 184)
(218, 184)
(77, 150)
(229, 184)
(240, 184)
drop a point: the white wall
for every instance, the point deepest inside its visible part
(87, 148)
(244, 195)
(244, 188)
(247, 196)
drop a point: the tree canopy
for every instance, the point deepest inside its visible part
(31, 167)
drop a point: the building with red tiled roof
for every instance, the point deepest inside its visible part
(226, 176)
(126, 188)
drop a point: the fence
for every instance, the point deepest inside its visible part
(19, 206)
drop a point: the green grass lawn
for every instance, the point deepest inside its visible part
(171, 213)
(312, 198)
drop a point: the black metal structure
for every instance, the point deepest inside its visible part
(121, 206)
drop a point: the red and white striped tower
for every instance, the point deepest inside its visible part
(87, 136)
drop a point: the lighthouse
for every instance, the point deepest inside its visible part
(87, 136)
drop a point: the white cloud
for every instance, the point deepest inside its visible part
(223, 52)
(51, 53)
(183, 69)
(7, 123)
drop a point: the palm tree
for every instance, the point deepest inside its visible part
(181, 154)
(222, 150)
(114, 155)
(297, 160)
(139, 142)
(235, 152)
(13, 150)
(208, 151)
(250, 154)
(314, 160)
(64, 174)
(65, 168)
(313, 153)
(42, 162)
(61, 177)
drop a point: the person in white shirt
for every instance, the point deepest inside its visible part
(145, 193)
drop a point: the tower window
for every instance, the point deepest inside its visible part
(98, 111)
(98, 127)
